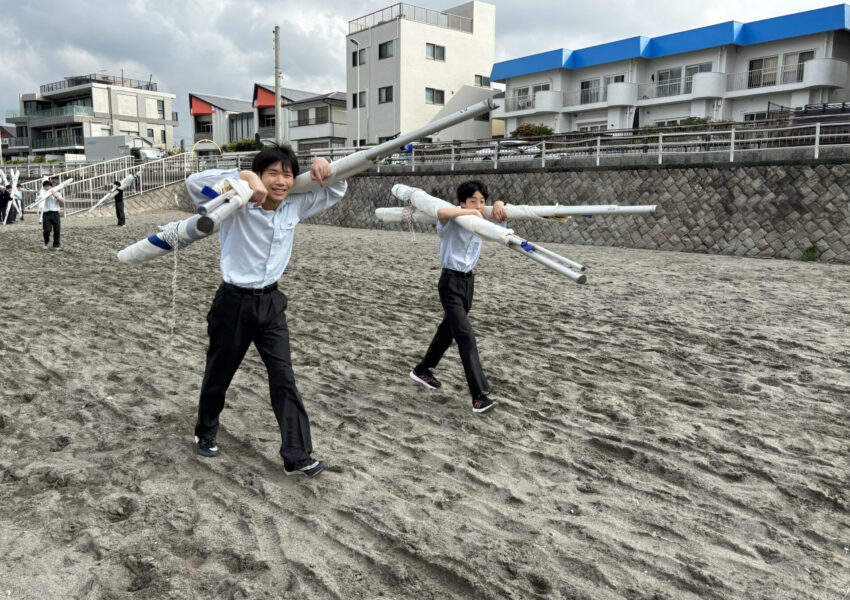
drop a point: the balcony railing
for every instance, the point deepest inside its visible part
(586, 96)
(758, 78)
(519, 103)
(305, 122)
(664, 89)
(266, 133)
(61, 111)
(202, 135)
(97, 78)
(18, 142)
(413, 13)
(70, 141)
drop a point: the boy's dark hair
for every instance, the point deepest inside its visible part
(46, 183)
(466, 189)
(282, 154)
(118, 183)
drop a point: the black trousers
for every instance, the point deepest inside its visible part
(234, 321)
(119, 211)
(456, 290)
(50, 222)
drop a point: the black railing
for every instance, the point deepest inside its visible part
(69, 82)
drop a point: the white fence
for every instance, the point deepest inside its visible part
(92, 182)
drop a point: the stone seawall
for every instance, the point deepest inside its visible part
(777, 209)
(771, 210)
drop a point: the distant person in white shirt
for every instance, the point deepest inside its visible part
(459, 253)
(50, 215)
(256, 244)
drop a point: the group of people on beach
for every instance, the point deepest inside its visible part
(248, 307)
(49, 210)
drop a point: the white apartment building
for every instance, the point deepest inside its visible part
(61, 115)
(405, 64)
(724, 72)
(317, 122)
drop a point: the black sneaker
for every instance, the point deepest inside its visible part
(482, 403)
(311, 469)
(206, 447)
(426, 378)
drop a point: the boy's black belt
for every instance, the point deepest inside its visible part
(457, 273)
(250, 291)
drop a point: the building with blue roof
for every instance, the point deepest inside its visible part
(727, 71)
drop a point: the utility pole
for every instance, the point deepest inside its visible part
(278, 119)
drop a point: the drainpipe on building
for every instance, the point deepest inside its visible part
(278, 119)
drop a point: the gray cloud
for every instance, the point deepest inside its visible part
(223, 46)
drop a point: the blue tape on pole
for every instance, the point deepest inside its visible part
(588, 216)
(527, 246)
(159, 243)
(209, 192)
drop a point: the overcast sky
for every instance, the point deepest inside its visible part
(222, 47)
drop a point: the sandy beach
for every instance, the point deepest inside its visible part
(677, 429)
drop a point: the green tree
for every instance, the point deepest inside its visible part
(531, 130)
(240, 145)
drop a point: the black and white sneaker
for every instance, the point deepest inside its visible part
(311, 469)
(426, 378)
(206, 447)
(482, 403)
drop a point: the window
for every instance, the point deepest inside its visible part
(104, 131)
(484, 117)
(150, 133)
(354, 55)
(543, 87)
(322, 115)
(136, 133)
(591, 127)
(385, 50)
(589, 91)
(358, 100)
(385, 138)
(433, 96)
(47, 135)
(160, 109)
(692, 70)
(609, 79)
(435, 52)
(482, 81)
(792, 65)
(762, 72)
(668, 123)
(162, 136)
(668, 82)
(204, 127)
(757, 116)
(303, 117)
(267, 120)
(385, 94)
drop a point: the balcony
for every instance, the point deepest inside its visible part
(413, 13)
(202, 135)
(17, 142)
(593, 95)
(59, 143)
(517, 103)
(305, 122)
(266, 133)
(664, 89)
(59, 112)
